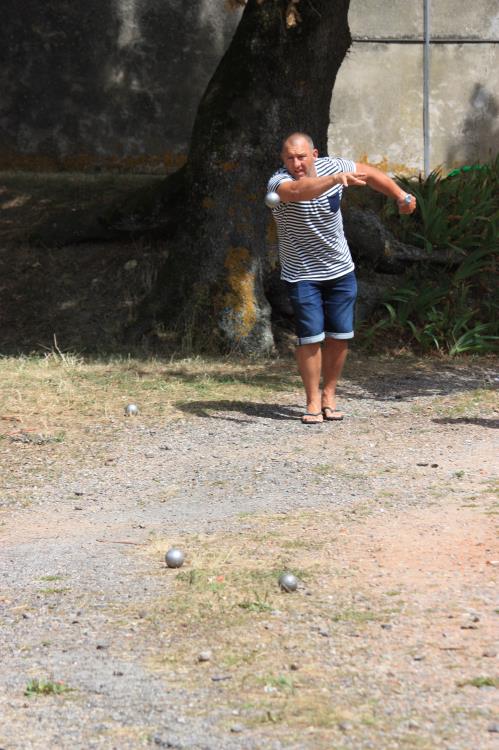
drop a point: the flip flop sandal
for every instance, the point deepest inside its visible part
(314, 414)
(332, 415)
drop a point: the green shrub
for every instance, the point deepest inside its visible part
(452, 308)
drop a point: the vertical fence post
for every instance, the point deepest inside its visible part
(426, 89)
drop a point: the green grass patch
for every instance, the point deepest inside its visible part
(358, 616)
(480, 682)
(45, 687)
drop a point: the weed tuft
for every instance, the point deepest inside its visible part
(45, 687)
(480, 682)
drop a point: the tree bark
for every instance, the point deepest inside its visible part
(374, 246)
(273, 80)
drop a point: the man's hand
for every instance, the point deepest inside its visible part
(404, 206)
(351, 178)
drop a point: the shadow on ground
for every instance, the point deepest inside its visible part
(222, 409)
(360, 384)
(480, 421)
(401, 380)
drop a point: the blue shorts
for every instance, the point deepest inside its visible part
(323, 309)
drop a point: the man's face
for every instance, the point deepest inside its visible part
(298, 157)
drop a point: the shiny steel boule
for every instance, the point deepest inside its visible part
(131, 410)
(288, 582)
(174, 557)
(272, 200)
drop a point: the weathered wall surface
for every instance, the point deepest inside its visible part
(109, 83)
(377, 103)
(105, 82)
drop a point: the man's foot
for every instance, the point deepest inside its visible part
(312, 417)
(332, 415)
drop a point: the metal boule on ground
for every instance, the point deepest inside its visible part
(174, 557)
(288, 582)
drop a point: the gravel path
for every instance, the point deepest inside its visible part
(72, 563)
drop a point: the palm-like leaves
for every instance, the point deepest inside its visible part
(455, 311)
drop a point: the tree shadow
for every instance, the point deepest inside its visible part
(403, 386)
(480, 140)
(480, 421)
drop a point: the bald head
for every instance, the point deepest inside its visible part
(298, 136)
(298, 155)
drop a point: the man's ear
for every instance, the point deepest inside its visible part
(315, 153)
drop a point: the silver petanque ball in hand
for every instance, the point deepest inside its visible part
(174, 557)
(272, 200)
(131, 410)
(288, 582)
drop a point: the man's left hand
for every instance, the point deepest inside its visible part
(405, 206)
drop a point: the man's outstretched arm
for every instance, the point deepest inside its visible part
(380, 182)
(307, 188)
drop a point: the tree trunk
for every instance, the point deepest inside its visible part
(273, 79)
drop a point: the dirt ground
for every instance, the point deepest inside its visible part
(389, 520)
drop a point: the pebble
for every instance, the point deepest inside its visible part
(237, 728)
(489, 653)
(205, 656)
(344, 726)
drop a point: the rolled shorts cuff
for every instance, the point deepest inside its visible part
(311, 339)
(339, 336)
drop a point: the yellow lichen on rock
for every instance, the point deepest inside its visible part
(239, 301)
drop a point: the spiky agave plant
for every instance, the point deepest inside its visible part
(453, 311)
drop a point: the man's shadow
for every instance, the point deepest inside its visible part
(227, 410)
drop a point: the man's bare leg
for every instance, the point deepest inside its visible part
(309, 359)
(334, 354)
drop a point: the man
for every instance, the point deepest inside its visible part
(316, 263)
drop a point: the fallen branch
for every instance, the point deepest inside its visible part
(118, 541)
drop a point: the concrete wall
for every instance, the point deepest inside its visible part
(105, 83)
(377, 103)
(116, 83)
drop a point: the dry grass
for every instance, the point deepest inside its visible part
(469, 405)
(66, 392)
(61, 407)
(308, 666)
(272, 650)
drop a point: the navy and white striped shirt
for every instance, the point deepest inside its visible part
(312, 244)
